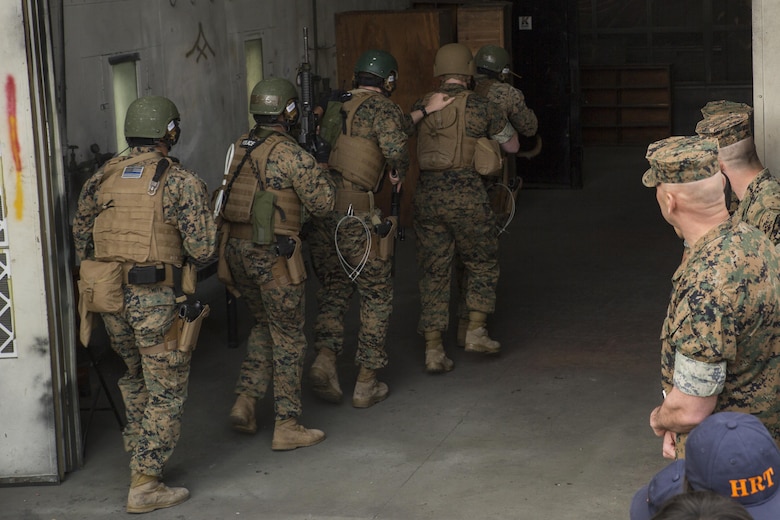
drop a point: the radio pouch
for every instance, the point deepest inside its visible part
(263, 217)
(100, 286)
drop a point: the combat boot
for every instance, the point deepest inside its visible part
(147, 493)
(436, 361)
(242, 415)
(288, 435)
(463, 325)
(324, 378)
(477, 339)
(368, 391)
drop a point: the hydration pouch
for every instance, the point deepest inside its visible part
(487, 157)
(296, 269)
(387, 242)
(188, 328)
(263, 218)
(100, 286)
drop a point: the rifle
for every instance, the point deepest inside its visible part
(308, 138)
(395, 211)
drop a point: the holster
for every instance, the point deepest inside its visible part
(288, 270)
(386, 246)
(295, 266)
(189, 330)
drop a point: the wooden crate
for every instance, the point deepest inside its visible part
(412, 37)
(485, 24)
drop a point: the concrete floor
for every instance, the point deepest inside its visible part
(555, 427)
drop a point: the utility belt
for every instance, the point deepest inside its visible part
(360, 201)
(289, 268)
(134, 274)
(184, 331)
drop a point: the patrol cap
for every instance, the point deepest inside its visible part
(680, 159)
(724, 106)
(726, 128)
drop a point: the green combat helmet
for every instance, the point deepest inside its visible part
(150, 117)
(274, 96)
(454, 58)
(494, 61)
(378, 63)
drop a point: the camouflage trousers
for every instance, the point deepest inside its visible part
(442, 234)
(154, 388)
(276, 344)
(374, 285)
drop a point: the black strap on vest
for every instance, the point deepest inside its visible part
(249, 145)
(162, 167)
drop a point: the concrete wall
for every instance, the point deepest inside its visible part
(766, 82)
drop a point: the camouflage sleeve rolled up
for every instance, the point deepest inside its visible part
(290, 166)
(698, 378)
(186, 206)
(84, 219)
(725, 309)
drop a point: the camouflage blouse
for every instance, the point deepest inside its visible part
(724, 311)
(760, 207)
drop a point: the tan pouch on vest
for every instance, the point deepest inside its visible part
(100, 286)
(487, 157)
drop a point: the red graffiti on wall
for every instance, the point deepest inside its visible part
(10, 99)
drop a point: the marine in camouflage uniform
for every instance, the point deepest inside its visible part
(757, 191)
(452, 214)
(492, 82)
(720, 341)
(343, 242)
(276, 345)
(154, 388)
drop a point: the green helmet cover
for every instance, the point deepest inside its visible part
(149, 117)
(492, 57)
(376, 62)
(271, 96)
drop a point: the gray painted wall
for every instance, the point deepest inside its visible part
(202, 71)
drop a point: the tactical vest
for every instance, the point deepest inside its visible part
(131, 226)
(442, 143)
(247, 176)
(359, 160)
